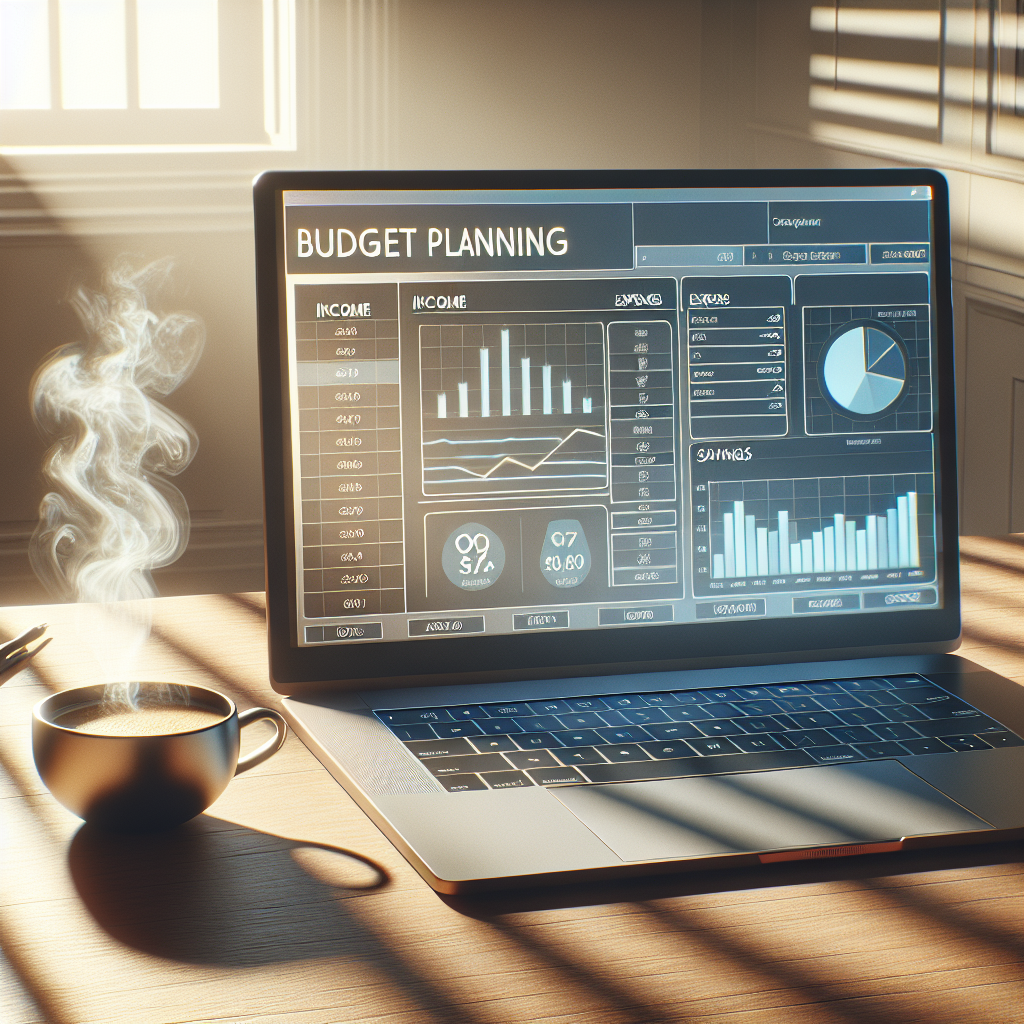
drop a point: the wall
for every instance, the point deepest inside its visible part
(459, 83)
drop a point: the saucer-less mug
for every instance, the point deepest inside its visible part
(136, 782)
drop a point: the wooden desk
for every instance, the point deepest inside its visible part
(246, 914)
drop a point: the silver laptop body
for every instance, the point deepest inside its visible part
(611, 517)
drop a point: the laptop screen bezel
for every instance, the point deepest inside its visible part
(295, 669)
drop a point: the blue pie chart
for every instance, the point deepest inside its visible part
(864, 371)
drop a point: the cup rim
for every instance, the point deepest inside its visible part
(54, 704)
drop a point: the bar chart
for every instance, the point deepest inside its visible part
(513, 407)
(857, 527)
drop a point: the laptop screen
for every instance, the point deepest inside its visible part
(538, 421)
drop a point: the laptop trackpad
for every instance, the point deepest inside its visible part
(871, 801)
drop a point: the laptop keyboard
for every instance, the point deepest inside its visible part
(671, 734)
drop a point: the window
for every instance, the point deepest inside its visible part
(146, 75)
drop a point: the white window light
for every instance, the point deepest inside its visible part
(24, 55)
(134, 62)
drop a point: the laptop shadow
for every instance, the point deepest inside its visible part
(486, 906)
(214, 893)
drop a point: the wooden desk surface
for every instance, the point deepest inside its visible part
(284, 903)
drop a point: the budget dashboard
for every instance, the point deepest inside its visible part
(567, 410)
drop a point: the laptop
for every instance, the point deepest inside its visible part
(611, 517)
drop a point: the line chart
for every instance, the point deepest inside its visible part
(513, 408)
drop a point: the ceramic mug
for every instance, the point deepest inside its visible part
(159, 762)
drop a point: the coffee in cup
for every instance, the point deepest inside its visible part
(149, 763)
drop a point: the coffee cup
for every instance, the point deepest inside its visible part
(148, 763)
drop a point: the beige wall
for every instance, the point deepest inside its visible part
(444, 83)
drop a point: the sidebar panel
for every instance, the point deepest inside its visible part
(350, 446)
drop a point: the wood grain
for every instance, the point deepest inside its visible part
(283, 903)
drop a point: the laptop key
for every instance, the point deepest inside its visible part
(672, 749)
(468, 711)
(824, 688)
(789, 690)
(440, 748)
(928, 745)
(461, 783)
(902, 713)
(507, 710)
(413, 716)
(508, 780)
(582, 720)
(979, 724)
(579, 755)
(465, 763)
(560, 776)
(862, 716)
(498, 726)
(626, 701)
(895, 731)
(711, 746)
(536, 740)
(641, 716)
(755, 744)
(540, 723)
(625, 752)
(830, 755)
(758, 707)
(673, 731)
(881, 748)
(921, 694)
(688, 696)
(720, 710)
(578, 737)
(839, 702)
(853, 734)
(1003, 739)
(951, 708)
(548, 707)
(493, 744)
(625, 734)
(758, 724)
(798, 704)
(750, 692)
(860, 685)
(660, 700)
(878, 698)
(532, 759)
(966, 742)
(815, 719)
(683, 767)
(687, 713)
(720, 727)
(451, 729)
(586, 704)
(413, 732)
(613, 717)
(810, 738)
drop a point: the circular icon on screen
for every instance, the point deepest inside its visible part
(864, 369)
(473, 557)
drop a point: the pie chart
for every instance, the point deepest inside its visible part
(864, 371)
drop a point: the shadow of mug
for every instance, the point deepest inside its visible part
(153, 771)
(212, 892)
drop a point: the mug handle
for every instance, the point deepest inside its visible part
(272, 746)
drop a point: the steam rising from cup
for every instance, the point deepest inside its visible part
(111, 516)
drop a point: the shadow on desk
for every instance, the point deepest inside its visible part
(215, 893)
